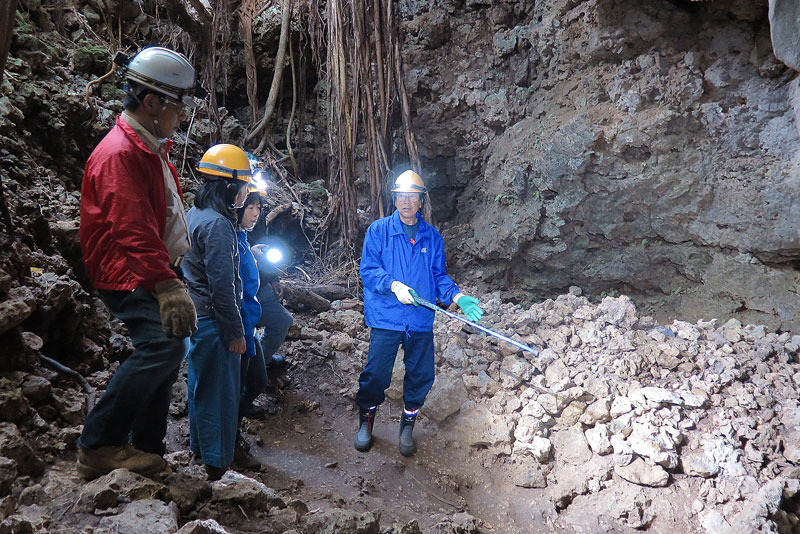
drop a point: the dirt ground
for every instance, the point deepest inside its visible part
(306, 448)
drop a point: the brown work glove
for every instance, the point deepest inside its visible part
(178, 316)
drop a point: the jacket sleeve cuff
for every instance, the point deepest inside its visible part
(150, 285)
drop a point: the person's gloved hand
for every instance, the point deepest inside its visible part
(403, 293)
(469, 305)
(178, 316)
(277, 288)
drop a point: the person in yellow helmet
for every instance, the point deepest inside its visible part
(214, 283)
(403, 257)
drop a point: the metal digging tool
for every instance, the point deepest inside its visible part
(436, 308)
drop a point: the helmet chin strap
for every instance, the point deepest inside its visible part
(161, 139)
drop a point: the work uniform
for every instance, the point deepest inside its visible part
(388, 255)
(132, 229)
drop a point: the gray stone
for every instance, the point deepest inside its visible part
(12, 313)
(103, 492)
(599, 439)
(342, 522)
(37, 389)
(12, 445)
(202, 526)
(641, 473)
(8, 473)
(445, 398)
(570, 446)
(698, 464)
(476, 426)
(660, 395)
(237, 489)
(791, 444)
(148, 515)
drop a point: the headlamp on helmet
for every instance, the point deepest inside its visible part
(409, 182)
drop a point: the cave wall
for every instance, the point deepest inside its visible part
(615, 145)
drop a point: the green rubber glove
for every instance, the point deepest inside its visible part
(469, 305)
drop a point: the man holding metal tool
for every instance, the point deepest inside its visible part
(403, 257)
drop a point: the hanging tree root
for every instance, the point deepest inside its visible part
(90, 393)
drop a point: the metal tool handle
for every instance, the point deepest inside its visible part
(436, 308)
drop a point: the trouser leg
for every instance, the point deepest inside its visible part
(275, 319)
(215, 396)
(420, 368)
(377, 374)
(137, 396)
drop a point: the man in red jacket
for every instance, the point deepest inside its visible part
(133, 236)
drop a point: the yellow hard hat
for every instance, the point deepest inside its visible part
(226, 161)
(409, 182)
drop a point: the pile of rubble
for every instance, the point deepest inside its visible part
(614, 408)
(685, 427)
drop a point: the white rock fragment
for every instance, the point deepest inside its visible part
(641, 473)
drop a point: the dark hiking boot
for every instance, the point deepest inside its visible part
(407, 445)
(366, 419)
(254, 411)
(93, 463)
(277, 365)
(242, 458)
(215, 473)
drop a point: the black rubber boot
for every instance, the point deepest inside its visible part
(407, 445)
(277, 365)
(366, 419)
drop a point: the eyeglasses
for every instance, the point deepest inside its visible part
(178, 107)
(407, 196)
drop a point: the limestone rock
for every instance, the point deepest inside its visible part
(12, 445)
(698, 464)
(570, 446)
(445, 398)
(641, 473)
(12, 313)
(476, 426)
(342, 522)
(103, 492)
(147, 515)
(202, 526)
(599, 439)
(237, 489)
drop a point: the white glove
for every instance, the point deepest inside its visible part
(402, 292)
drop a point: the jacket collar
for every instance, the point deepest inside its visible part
(134, 137)
(397, 225)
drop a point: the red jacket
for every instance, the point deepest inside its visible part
(124, 213)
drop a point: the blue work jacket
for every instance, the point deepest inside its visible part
(211, 269)
(251, 309)
(389, 255)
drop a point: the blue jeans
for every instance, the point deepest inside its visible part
(135, 405)
(213, 393)
(377, 374)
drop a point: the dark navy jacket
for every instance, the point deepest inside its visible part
(211, 269)
(388, 255)
(251, 309)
